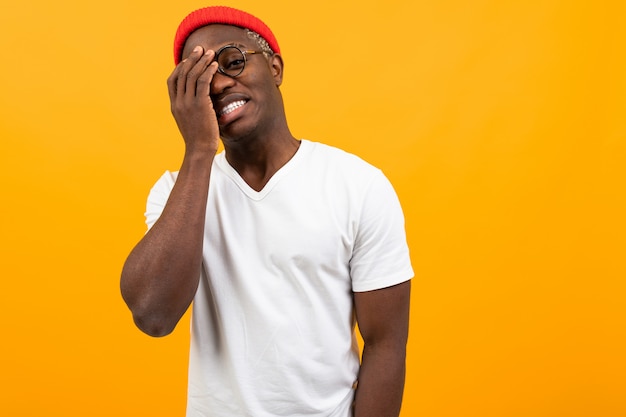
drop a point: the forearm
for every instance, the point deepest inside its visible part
(161, 274)
(381, 381)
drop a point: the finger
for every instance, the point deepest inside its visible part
(172, 81)
(185, 66)
(197, 70)
(203, 84)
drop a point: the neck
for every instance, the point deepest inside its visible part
(258, 159)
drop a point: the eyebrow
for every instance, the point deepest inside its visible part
(238, 45)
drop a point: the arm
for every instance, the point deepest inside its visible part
(383, 319)
(162, 272)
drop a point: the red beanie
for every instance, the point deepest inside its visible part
(221, 15)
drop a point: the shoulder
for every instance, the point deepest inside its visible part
(334, 154)
(339, 163)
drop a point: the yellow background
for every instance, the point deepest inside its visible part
(501, 124)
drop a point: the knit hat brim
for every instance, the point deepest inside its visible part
(220, 15)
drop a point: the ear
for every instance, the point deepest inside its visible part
(277, 67)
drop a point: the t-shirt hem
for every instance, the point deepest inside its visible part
(378, 284)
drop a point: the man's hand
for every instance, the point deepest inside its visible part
(189, 86)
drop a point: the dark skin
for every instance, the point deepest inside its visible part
(161, 275)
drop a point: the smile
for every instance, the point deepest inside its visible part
(231, 107)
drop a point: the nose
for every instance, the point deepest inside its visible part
(220, 83)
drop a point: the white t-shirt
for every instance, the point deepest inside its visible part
(272, 322)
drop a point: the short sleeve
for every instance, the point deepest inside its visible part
(158, 196)
(380, 256)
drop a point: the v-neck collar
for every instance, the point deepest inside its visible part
(223, 164)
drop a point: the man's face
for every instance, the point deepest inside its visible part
(249, 103)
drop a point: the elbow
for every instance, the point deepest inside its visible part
(147, 316)
(152, 324)
(392, 348)
(150, 320)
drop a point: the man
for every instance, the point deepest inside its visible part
(280, 243)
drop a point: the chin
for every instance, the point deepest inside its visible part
(237, 132)
(233, 139)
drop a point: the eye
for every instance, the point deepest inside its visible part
(231, 59)
(234, 64)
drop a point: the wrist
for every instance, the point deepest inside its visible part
(197, 161)
(200, 152)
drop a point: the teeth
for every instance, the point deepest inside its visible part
(232, 106)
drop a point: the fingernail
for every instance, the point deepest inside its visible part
(197, 49)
